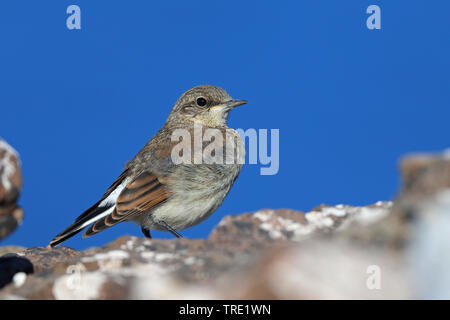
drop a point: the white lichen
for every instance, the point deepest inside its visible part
(190, 261)
(271, 229)
(7, 164)
(263, 215)
(367, 216)
(274, 224)
(110, 260)
(19, 279)
(319, 219)
(158, 257)
(338, 211)
(82, 286)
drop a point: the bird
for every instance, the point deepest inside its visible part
(158, 193)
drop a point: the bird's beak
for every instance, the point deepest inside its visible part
(230, 104)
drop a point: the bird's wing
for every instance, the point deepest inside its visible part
(103, 207)
(127, 196)
(138, 196)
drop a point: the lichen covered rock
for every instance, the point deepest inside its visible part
(10, 186)
(387, 250)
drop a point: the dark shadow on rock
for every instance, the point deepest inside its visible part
(10, 264)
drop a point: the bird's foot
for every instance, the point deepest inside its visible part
(146, 232)
(164, 225)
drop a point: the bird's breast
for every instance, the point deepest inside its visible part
(197, 190)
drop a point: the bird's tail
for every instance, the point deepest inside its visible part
(93, 214)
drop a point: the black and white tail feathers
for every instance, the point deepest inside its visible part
(80, 223)
(101, 209)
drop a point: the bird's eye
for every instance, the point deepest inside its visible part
(201, 102)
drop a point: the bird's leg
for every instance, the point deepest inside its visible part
(146, 232)
(164, 225)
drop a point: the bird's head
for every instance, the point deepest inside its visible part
(207, 104)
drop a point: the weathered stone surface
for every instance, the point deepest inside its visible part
(264, 225)
(422, 213)
(10, 186)
(140, 268)
(424, 178)
(288, 225)
(11, 249)
(425, 174)
(45, 259)
(382, 251)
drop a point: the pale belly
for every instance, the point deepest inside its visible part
(196, 195)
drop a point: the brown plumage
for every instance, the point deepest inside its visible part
(157, 193)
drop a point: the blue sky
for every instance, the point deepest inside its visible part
(349, 102)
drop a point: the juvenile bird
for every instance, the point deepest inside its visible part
(159, 193)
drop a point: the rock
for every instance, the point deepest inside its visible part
(387, 250)
(285, 225)
(14, 268)
(425, 174)
(429, 245)
(319, 269)
(10, 186)
(11, 249)
(264, 225)
(422, 211)
(45, 259)
(140, 268)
